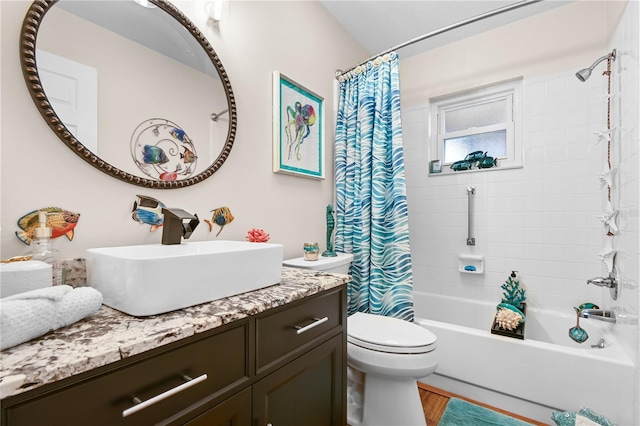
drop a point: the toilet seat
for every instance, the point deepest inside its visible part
(387, 334)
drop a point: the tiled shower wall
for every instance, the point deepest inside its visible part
(542, 219)
(626, 115)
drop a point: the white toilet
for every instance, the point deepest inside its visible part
(385, 357)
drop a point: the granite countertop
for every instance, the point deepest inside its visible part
(111, 335)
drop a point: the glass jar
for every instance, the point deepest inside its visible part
(311, 251)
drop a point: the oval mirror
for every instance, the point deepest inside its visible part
(133, 87)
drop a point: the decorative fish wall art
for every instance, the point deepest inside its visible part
(221, 217)
(162, 150)
(154, 155)
(148, 210)
(62, 222)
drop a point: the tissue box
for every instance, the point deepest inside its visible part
(18, 277)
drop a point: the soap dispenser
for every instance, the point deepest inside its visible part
(42, 249)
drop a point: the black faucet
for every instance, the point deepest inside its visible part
(174, 229)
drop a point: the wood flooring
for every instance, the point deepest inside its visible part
(434, 402)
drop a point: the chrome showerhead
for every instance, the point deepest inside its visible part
(585, 73)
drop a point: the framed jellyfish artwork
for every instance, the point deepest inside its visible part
(298, 129)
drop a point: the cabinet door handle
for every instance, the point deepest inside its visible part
(141, 405)
(317, 322)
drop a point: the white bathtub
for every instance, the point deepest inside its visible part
(534, 376)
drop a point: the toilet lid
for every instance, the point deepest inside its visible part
(387, 334)
(321, 264)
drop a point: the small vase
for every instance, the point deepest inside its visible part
(311, 251)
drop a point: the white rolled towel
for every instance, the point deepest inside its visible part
(28, 315)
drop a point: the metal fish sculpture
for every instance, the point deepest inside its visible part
(188, 156)
(221, 217)
(62, 222)
(477, 159)
(487, 162)
(178, 134)
(461, 165)
(147, 210)
(475, 155)
(168, 176)
(154, 155)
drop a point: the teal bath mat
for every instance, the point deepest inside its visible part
(463, 413)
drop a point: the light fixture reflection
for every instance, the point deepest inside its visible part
(217, 10)
(146, 3)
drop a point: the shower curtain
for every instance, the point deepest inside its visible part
(371, 201)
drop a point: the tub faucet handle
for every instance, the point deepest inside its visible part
(609, 282)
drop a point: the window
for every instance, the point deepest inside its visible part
(484, 120)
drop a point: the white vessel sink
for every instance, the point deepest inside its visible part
(152, 279)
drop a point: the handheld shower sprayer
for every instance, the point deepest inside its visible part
(585, 73)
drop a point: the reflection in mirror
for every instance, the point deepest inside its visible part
(131, 89)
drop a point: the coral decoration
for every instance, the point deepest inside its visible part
(257, 236)
(513, 294)
(508, 319)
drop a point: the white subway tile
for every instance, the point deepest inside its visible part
(541, 219)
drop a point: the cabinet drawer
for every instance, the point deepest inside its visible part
(284, 331)
(102, 400)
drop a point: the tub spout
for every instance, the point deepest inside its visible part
(599, 314)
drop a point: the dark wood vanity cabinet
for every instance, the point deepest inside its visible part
(285, 366)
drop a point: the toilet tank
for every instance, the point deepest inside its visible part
(338, 264)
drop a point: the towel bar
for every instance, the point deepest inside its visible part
(471, 241)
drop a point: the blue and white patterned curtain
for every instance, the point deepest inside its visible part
(371, 198)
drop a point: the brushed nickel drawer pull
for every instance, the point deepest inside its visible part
(317, 322)
(141, 405)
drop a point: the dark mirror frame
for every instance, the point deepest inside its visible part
(28, 36)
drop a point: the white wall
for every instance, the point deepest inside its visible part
(540, 220)
(299, 39)
(542, 44)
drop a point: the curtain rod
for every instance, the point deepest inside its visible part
(445, 29)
